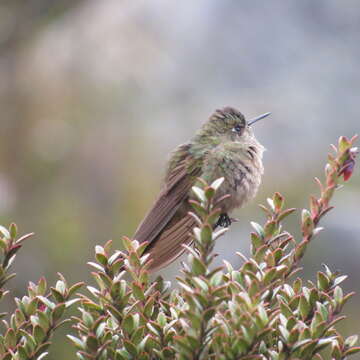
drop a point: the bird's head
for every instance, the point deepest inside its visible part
(228, 124)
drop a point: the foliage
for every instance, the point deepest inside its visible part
(28, 332)
(259, 311)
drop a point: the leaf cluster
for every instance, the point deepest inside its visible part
(260, 310)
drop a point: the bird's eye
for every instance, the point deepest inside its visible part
(238, 128)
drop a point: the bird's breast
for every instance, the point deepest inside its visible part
(242, 180)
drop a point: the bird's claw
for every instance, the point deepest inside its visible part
(224, 220)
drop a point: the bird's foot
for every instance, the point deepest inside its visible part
(224, 220)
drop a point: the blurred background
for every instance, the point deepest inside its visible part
(94, 94)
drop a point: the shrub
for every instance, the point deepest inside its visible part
(258, 311)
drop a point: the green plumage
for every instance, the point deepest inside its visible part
(224, 146)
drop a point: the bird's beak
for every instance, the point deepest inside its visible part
(253, 121)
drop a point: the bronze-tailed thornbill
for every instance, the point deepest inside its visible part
(225, 146)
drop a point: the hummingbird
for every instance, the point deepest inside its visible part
(224, 146)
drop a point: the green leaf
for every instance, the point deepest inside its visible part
(216, 278)
(87, 318)
(58, 311)
(284, 333)
(42, 356)
(154, 328)
(271, 204)
(256, 240)
(217, 183)
(209, 193)
(300, 250)
(128, 324)
(270, 229)
(13, 230)
(77, 342)
(4, 231)
(149, 307)
(72, 302)
(138, 291)
(46, 302)
(307, 222)
(304, 307)
(92, 343)
(127, 243)
(300, 344)
(278, 201)
(351, 340)
(100, 255)
(339, 280)
(61, 287)
(206, 234)
(197, 266)
(285, 309)
(39, 334)
(335, 350)
(338, 295)
(10, 338)
(352, 351)
(285, 213)
(219, 233)
(30, 343)
(322, 311)
(343, 144)
(198, 208)
(258, 229)
(59, 297)
(131, 348)
(100, 330)
(209, 314)
(200, 194)
(41, 287)
(263, 315)
(323, 281)
(43, 320)
(23, 355)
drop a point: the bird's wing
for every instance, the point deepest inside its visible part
(172, 196)
(169, 244)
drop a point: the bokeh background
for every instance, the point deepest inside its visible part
(94, 94)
